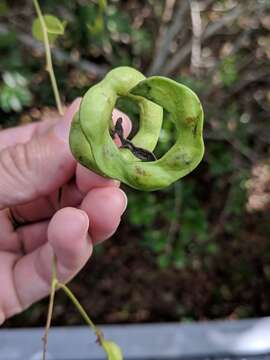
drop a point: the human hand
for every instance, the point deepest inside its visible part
(35, 163)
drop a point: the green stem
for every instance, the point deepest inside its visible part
(50, 308)
(81, 310)
(49, 63)
(54, 268)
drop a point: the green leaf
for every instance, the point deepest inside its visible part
(228, 71)
(97, 27)
(54, 26)
(14, 93)
(8, 41)
(102, 5)
(113, 351)
(164, 261)
(3, 8)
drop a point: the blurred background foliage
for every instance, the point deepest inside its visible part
(199, 249)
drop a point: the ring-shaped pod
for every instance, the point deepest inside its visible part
(92, 145)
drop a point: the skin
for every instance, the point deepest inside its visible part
(134, 164)
(35, 161)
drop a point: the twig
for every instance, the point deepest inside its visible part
(50, 70)
(236, 47)
(81, 310)
(168, 33)
(196, 38)
(179, 57)
(224, 21)
(168, 10)
(50, 308)
(166, 37)
(55, 284)
(49, 64)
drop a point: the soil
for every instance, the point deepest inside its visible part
(123, 284)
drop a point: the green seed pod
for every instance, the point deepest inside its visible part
(113, 351)
(90, 136)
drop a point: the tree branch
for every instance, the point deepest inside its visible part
(179, 57)
(196, 22)
(166, 36)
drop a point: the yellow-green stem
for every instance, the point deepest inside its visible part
(50, 308)
(49, 64)
(81, 310)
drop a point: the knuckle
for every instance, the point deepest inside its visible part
(16, 171)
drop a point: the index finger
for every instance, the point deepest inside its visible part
(23, 133)
(87, 179)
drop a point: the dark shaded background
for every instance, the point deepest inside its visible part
(199, 249)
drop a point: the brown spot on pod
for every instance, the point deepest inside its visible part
(140, 171)
(190, 121)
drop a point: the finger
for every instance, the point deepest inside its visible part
(32, 236)
(45, 207)
(40, 166)
(69, 241)
(9, 302)
(9, 240)
(25, 239)
(13, 136)
(37, 210)
(127, 125)
(104, 207)
(70, 196)
(28, 237)
(24, 133)
(87, 179)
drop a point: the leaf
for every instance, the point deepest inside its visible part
(54, 26)
(10, 79)
(113, 351)
(102, 5)
(3, 8)
(7, 40)
(164, 261)
(97, 27)
(14, 93)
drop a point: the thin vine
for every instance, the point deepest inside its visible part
(153, 94)
(112, 350)
(49, 63)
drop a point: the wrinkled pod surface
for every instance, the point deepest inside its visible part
(159, 99)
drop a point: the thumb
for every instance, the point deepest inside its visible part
(39, 166)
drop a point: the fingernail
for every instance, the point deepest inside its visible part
(2, 318)
(125, 201)
(62, 128)
(115, 183)
(84, 218)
